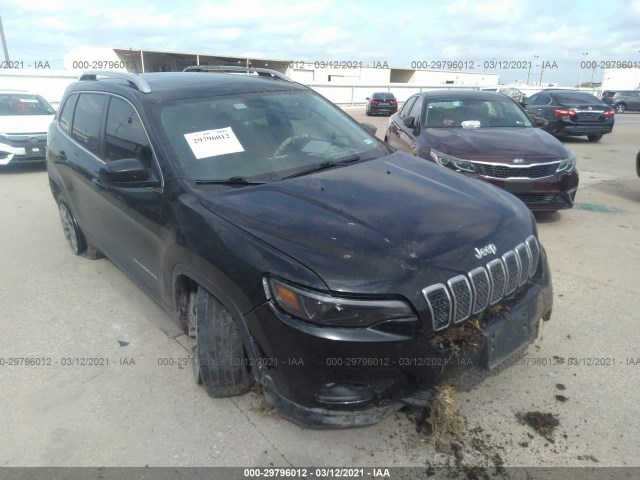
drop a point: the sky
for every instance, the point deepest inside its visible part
(512, 38)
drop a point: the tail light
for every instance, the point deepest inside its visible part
(393, 102)
(608, 113)
(564, 112)
(374, 102)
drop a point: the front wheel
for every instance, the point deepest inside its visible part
(220, 360)
(594, 138)
(620, 108)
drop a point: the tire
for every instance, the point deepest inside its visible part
(221, 364)
(72, 232)
(367, 112)
(620, 108)
(594, 138)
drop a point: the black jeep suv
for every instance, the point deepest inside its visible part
(295, 249)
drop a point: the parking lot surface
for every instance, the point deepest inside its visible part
(91, 374)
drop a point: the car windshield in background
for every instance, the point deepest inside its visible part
(474, 113)
(574, 98)
(24, 104)
(262, 137)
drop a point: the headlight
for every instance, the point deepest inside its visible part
(567, 165)
(325, 309)
(452, 162)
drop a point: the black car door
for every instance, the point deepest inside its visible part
(400, 135)
(121, 222)
(130, 214)
(539, 105)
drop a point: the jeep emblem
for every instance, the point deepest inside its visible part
(484, 251)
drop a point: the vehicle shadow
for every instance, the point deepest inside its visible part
(547, 217)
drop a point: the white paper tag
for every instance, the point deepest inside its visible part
(470, 124)
(211, 143)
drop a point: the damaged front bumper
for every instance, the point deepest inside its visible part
(320, 379)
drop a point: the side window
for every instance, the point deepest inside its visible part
(544, 99)
(124, 135)
(407, 106)
(532, 99)
(416, 110)
(67, 113)
(87, 119)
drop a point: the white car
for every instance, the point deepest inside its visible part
(24, 121)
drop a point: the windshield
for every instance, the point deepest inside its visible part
(474, 113)
(12, 104)
(263, 136)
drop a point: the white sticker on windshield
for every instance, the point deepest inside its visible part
(368, 141)
(471, 124)
(212, 143)
(28, 100)
(239, 106)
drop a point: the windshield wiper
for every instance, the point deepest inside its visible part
(325, 165)
(228, 181)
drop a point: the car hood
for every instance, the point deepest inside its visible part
(496, 143)
(394, 224)
(25, 123)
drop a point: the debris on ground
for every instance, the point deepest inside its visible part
(561, 398)
(543, 423)
(588, 457)
(260, 405)
(560, 386)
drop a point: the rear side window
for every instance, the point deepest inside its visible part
(407, 107)
(124, 135)
(87, 120)
(67, 114)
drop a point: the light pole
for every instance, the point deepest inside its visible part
(584, 54)
(529, 70)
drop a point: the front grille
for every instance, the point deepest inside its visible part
(498, 276)
(20, 139)
(439, 302)
(461, 298)
(537, 197)
(510, 260)
(507, 171)
(466, 295)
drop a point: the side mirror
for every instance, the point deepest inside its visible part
(409, 122)
(124, 172)
(367, 98)
(372, 129)
(540, 122)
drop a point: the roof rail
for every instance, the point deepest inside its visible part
(132, 78)
(263, 72)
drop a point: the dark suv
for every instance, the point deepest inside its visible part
(294, 248)
(622, 100)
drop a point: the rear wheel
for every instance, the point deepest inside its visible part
(72, 232)
(220, 362)
(620, 108)
(594, 138)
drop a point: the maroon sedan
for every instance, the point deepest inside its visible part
(490, 137)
